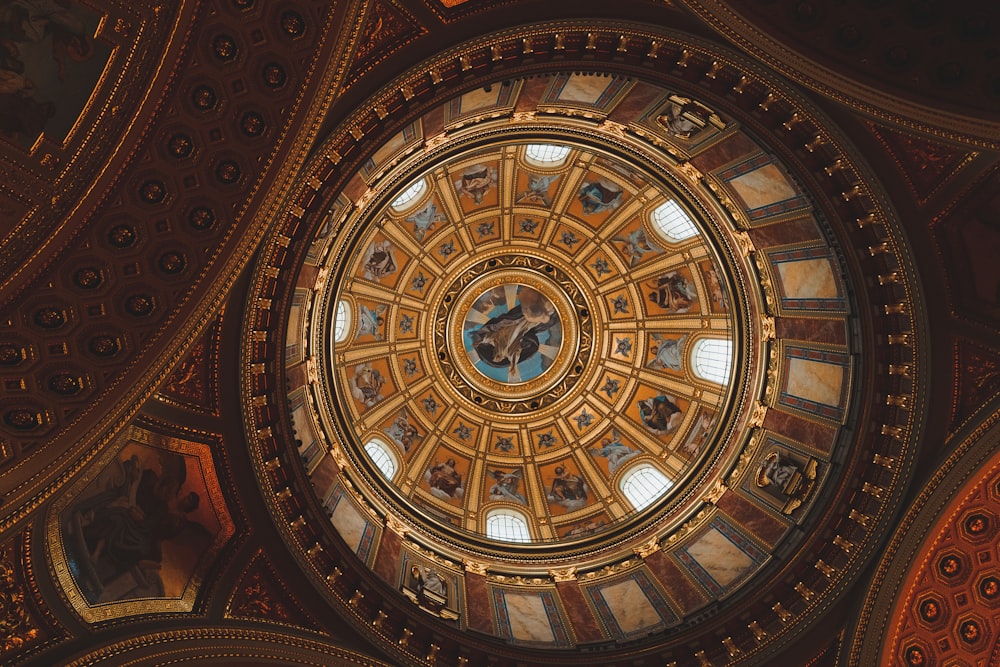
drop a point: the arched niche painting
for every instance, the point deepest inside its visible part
(137, 534)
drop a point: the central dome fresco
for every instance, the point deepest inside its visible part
(534, 341)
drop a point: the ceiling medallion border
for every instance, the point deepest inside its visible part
(573, 313)
(797, 603)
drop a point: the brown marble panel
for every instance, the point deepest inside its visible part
(786, 233)
(531, 93)
(433, 122)
(811, 329)
(324, 475)
(584, 624)
(751, 517)
(724, 152)
(682, 590)
(807, 432)
(387, 560)
(637, 100)
(477, 601)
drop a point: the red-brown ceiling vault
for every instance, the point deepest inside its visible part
(302, 300)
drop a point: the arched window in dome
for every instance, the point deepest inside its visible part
(342, 321)
(507, 525)
(644, 484)
(712, 359)
(673, 222)
(546, 155)
(410, 195)
(383, 458)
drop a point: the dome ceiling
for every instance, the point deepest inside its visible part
(504, 316)
(521, 330)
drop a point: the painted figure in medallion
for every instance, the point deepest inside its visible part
(402, 432)
(444, 480)
(673, 292)
(380, 260)
(476, 181)
(615, 451)
(366, 384)
(667, 352)
(538, 190)
(599, 196)
(506, 486)
(425, 219)
(635, 244)
(512, 333)
(660, 414)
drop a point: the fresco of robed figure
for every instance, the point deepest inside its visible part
(512, 333)
(141, 527)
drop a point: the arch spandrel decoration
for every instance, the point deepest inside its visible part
(720, 503)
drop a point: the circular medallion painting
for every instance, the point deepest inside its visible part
(512, 333)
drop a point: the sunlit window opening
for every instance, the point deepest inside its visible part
(507, 525)
(380, 456)
(643, 485)
(548, 154)
(673, 221)
(409, 196)
(712, 359)
(342, 321)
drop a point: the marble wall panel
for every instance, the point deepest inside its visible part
(763, 188)
(353, 527)
(720, 557)
(832, 332)
(725, 152)
(815, 381)
(585, 626)
(813, 434)
(766, 527)
(631, 606)
(681, 589)
(786, 232)
(806, 279)
(529, 617)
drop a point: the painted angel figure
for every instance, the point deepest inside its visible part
(476, 181)
(366, 384)
(635, 244)
(370, 321)
(599, 196)
(538, 190)
(672, 292)
(425, 219)
(659, 414)
(615, 451)
(505, 486)
(380, 261)
(667, 352)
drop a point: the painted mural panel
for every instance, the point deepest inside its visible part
(634, 243)
(565, 488)
(584, 527)
(476, 186)
(445, 476)
(137, 535)
(382, 262)
(369, 383)
(49, 65)
(658, 412)
(673, 292)
(613, 451)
